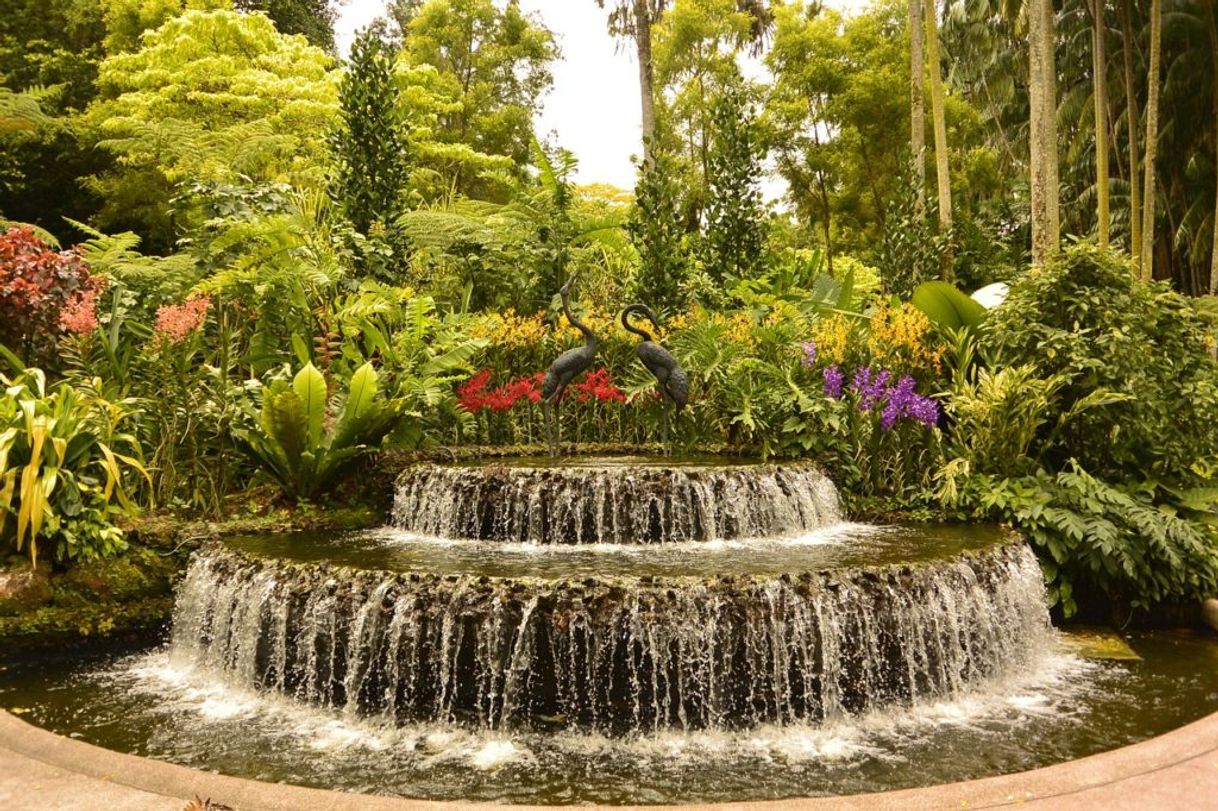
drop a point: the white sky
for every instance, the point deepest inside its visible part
(594, 104)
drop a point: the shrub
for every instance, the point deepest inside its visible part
(1121, 539)
(43, 293)
(1089, 318)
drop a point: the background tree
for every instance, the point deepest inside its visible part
(127, 20)
(917, 99)
(1132, 121)
(657, 233)
(839, 129)
(312, 18)
(495, 64)
(1099, 73)
(735, 234)
(214, 97)
(46, 43)
(1152, 139)
(698, 45)
(943, 180)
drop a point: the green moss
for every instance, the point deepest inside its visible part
(139, 574)
(58, 626)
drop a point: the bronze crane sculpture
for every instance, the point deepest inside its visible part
(672, 379)
(565, 368)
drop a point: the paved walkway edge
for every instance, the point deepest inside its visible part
(1158, 773)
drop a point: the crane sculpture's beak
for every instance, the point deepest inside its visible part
(651, 316)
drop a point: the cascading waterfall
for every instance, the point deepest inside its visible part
(613, 503)
(692, 648)
(636, 655)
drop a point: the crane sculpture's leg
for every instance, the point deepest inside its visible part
(549, 409)
(664, 428)
(549, 425)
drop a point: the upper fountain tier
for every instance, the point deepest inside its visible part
(627, 499)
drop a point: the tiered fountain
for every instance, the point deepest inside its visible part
(620, 595)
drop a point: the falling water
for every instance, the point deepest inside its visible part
(612, 655)
(613, 503)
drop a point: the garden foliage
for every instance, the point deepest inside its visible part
(1094, 432)
(408, 265)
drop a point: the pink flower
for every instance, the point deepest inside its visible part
(175, 321)
(79, 317)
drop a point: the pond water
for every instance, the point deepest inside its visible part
(1064, 706)
(839, 546)
(617, 631)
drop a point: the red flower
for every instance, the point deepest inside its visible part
(599, 385)
(471, 395)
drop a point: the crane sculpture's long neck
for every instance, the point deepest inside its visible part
(589, 337)
(626, 313)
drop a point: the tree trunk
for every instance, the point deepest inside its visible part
(1099, 62)
(917, 102)
(1213, 287)
(1131, 122)
(942, 171)
(1042, 136)
(647, 97)
(1152, 136)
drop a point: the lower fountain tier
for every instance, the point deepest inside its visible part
(613, 500)
(616, 654)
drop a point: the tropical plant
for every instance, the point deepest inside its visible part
(947, 307)
(306, 440)
(61, 470)
(1133, 543)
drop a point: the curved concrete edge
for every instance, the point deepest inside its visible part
(1174, 770)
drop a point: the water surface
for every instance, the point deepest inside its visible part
(842, 545)
(1064, 707)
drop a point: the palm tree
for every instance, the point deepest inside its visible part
(634, 19)
(1132, 118)
(1099, 78)
(1042, 81)
(917, 104)
(939, 116)
(1152, 134)
(1213, 10)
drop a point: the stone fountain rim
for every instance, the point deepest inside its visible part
(1170, 768)
(1007, 540)
(652, 463)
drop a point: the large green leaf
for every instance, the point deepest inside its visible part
(947, 306)
(359, 409)
(284, 423)
(310, 387)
